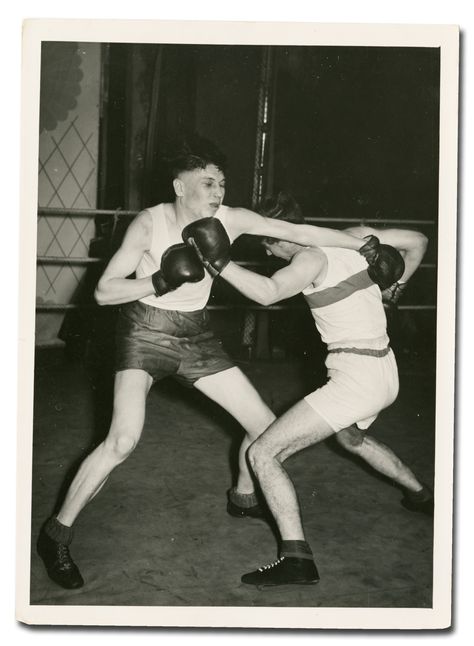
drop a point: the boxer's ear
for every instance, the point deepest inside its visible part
(178, 187)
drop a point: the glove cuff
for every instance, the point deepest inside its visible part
(370, 250)
(220, 265)
(392, 294)
(160, 285)
(399, 288)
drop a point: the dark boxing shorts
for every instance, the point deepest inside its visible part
(168, 343)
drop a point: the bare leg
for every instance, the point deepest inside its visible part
(298, 428)
(233, 391)
(379, 456)
(131, 390)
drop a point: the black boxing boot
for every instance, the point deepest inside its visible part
(243, 505)
(284, 571)
(295, 566)
(421, 501)
(53, 547)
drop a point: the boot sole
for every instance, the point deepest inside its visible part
(76, 586)
(288, 584)
(245, 516)
(417, 510)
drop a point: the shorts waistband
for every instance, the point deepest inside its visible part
(369, 352)
(175, 323)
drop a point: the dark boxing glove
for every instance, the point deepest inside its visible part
(179, 264)
(211, 242)
(386, 264)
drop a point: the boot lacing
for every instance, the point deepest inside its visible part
(270, 565)
(64, 557)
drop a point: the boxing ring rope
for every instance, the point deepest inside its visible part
(58, 307)
(49, 211)
(256, 321)
(67, 212)
(61, 260)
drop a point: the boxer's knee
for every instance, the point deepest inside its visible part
(260, 455)
(256, 456)
(120, 446)
(253, 455)
(351, 438)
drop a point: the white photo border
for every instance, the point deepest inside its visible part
(446, 37)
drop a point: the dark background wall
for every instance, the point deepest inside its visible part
(353, 133)
(356, 132)
(226, 110)
(157, 93)
(354, 129)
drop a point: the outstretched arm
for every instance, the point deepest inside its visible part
(411, 244)
(307, 235)
(303, 270)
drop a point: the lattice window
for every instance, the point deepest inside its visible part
(68, 161)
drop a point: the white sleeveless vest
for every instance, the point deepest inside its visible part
(189, 296)
(347, 307)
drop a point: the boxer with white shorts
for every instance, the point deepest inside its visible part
(362, 380)
(362, 371)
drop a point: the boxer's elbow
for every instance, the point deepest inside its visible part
(422, 242)
(270, 296)
(266, 301)
(416, 246)
(101, 293)
(99, 297)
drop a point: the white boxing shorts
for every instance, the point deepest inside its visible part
(361, 384)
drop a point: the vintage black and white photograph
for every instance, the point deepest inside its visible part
(237, 354)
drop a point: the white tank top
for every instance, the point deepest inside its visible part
(165, 232)
(347, 307)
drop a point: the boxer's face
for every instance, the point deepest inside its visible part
(200, 192)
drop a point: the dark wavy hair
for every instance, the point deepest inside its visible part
(193, 152)
(282, 206)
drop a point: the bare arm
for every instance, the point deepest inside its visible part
(304, 269)
(114, 287)
(307, 235)
(411, 244)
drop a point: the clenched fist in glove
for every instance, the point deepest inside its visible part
(179, 264)
(386, 264)
(392, 294)
(211, 242)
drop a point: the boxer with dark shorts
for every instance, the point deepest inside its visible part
(168, 343)
(163, 330)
